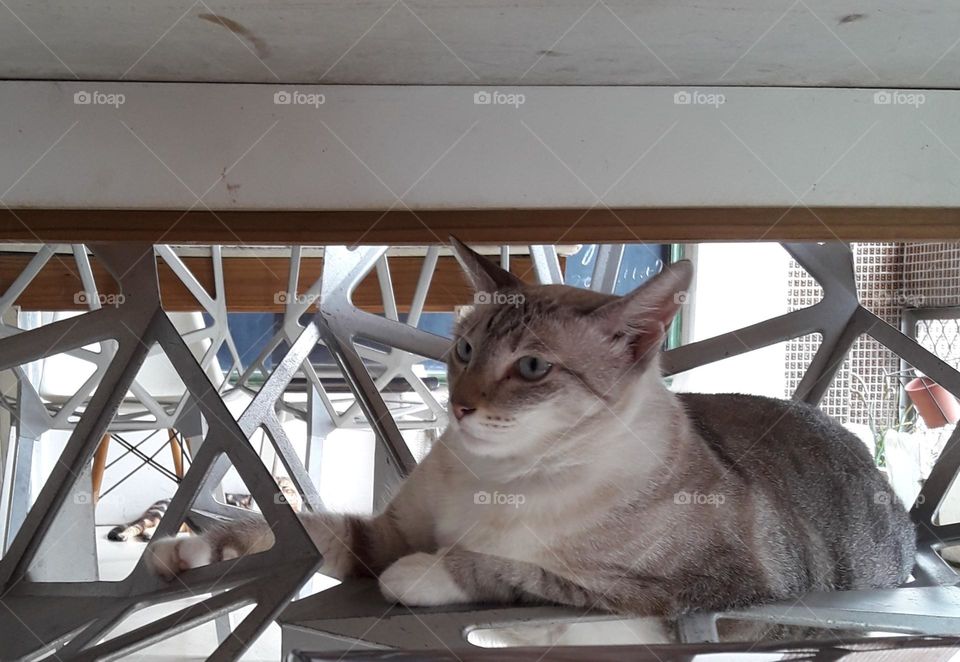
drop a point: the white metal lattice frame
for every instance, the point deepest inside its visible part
(44, 616)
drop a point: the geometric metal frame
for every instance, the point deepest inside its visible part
(271, 578)
(216, 335)
(395, 362)
(85, 612)
(141, 410)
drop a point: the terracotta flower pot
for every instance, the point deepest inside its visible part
(935, 404)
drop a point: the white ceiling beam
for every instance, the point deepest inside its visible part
(238, 147)
(491, 42)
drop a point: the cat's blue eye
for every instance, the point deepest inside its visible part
(533, 368)
(464, 350)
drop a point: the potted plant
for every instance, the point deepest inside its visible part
(935, 404)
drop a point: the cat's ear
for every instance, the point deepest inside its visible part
(484, 275)
(641, 317)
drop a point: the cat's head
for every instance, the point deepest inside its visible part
(529, 362)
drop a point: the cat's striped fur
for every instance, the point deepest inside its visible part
(144, 526)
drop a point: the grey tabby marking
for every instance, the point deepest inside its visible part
(146, 525)
(570, 474)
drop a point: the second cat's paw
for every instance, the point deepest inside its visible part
(421, 580)
(168, 557)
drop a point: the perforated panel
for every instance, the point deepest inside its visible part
(890, 277)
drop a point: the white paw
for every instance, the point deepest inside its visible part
(168, 557)
(421, 580)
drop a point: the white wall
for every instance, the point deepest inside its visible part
(735, 285)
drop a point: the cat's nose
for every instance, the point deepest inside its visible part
(461, 410)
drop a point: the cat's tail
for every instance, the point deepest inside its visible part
(122, 533)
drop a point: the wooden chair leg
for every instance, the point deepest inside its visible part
(99, 465)
(177, 452)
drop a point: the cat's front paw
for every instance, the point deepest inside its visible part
(421, 580)
(168, 557)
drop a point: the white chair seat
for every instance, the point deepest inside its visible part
(63, 375)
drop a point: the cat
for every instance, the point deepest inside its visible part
(143, 527)
(146, 525)
(570, 474)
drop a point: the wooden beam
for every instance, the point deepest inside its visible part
(492, 226)
(252, 284)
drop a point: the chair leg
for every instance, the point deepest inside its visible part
(177, 452)
(99, 465)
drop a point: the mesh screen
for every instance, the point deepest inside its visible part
(942, 337)
(890, 277)
(931, 274)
